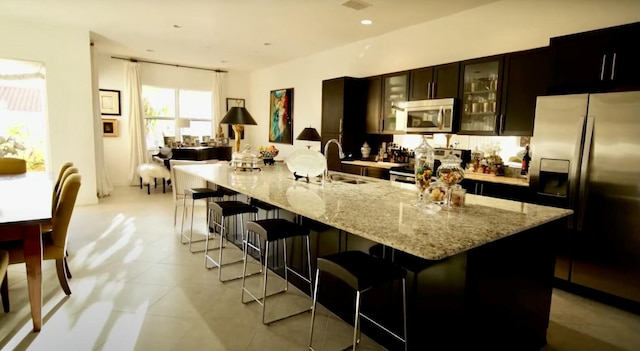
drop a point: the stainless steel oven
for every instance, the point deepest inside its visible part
(402, 175)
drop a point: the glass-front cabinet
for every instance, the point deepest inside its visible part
(395, 88)
(481, 85)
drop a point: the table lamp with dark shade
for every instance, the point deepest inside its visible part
(238, 117)
(310, 134)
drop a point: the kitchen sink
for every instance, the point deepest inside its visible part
(346, 179)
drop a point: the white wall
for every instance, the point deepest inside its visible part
(500, 27)
(67, 58)
(112, 75)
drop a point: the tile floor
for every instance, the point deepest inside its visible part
(135, 287)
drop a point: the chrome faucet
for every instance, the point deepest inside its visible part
(325, 175)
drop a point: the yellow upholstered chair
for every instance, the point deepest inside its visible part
(54, 242)
(4, 288)
(10, 165)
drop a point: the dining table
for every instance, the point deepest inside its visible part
(25, 204)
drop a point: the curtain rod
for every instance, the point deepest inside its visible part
(167, 64)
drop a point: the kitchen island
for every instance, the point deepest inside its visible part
(480, 276)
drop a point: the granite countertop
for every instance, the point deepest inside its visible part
(390, 219)
(385, 165)
(497, 179)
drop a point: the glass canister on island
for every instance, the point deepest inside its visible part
(450, 173)
(424, 161)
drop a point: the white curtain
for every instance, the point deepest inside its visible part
(138, 154)
(219, 96)
(103, 183)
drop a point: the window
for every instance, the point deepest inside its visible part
(161, 106)
(22, 112)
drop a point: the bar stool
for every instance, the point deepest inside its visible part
(266, 207)
(361, 272)
(196, 194)
(272, 231)
(220, 211)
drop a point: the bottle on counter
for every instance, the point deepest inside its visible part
(525, 161)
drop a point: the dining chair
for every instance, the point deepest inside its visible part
(4, 287)
(10, 165)
(54, 242)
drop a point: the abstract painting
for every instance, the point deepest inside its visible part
(281, 116)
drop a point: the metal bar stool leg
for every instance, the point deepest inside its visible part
(313, 309)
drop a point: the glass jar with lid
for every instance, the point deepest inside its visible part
(424, 160)
(450, 173)
(245, 160)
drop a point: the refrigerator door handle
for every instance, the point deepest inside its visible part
(604, 60)
(584, 179)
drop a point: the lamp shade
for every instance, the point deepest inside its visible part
(238, 115)
(310, 134)
(182, 123)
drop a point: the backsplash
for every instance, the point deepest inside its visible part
(505, 146)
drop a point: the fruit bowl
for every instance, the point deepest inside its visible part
(269, 153)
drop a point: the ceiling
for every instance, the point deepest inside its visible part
(229, 34)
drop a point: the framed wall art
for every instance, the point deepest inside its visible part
(281, 116)
(109, 102)
(109, 127)
(232, 102)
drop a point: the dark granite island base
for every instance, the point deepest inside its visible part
(497, 295)
(480, 277)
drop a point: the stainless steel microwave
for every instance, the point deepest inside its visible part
(425, 116)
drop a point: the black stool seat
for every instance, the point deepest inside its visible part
(202, 193)
(276, 228)
(232, 208)
(359, 270)
(262, 205)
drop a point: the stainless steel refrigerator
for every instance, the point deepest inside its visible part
(586, 156)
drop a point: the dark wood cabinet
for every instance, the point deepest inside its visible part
(498, 94)
(597, 61)
(395, 87)
(527, 75)
(374, 105)
(434, 82)
(480, 93)
(343, 115)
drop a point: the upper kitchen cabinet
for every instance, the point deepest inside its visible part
(480, 91)
(343, 113)
(374, 105)
(395, 88)
(435, 82)
(527, 75)
(597, 61)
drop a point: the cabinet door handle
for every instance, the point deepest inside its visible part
(340, 129)
(429, 90)
(613, 66)
(502, 123)
(496, 124)
(433, 90)
(604, 59)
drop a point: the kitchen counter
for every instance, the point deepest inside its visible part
(496, 179)
(385, 165)
(390, 219)
(483, 275)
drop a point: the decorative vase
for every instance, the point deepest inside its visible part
(365, 150)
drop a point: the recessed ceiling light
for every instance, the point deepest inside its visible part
(150, 50)
(366, 22)
(267, 44)
(177, 26)
(223, 61)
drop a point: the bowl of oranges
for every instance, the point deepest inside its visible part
(267, 153)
